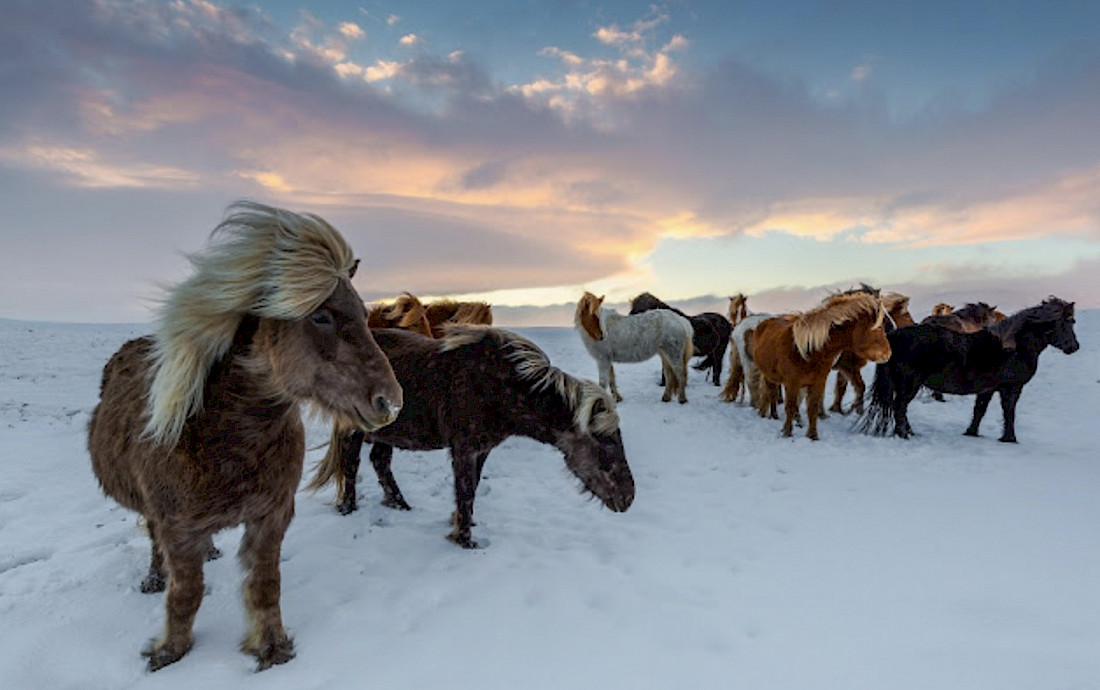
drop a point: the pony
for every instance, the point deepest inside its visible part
(797, 351)
(942, 309)
(738, 308)
(468, 392)
(447, 311)
(611, 337)
(406, 312)
(849, 364)
(742, 369)
(976, 363)
(198, 426)
(710, 333)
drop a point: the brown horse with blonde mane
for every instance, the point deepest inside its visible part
(198, 426)
(446, 311)
(406, 312)
(797, 351)
(849, 364)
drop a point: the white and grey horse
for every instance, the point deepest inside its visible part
(612, 337)
(741, 364)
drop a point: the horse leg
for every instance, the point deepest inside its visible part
(790, 406)
(157, 577)
(716, 368)
(380, 456)
(668, 379)
(815, 397)
(905, 391)
(1009, 397)
(611, 380)
(859, 388)
(261, 546)
(466, 466)
(981, 403)
(734, 389)
(183, 553)
(351, 445)
(839, 388)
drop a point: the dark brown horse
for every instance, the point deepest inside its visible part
(797, 351)
(849, 364)
(469, 392)
(446, 311)
(970, 318)
(198, 426)
(406, 312)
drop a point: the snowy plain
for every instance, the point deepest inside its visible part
(746, 561)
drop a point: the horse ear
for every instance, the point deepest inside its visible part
(354, 267)
(600, 300)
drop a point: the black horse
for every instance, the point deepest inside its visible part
(1000, 358)
(711, 333)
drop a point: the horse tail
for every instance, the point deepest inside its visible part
(736, 377)
(329, 468)
(878, 418)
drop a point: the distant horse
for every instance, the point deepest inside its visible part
(406, 312)
(611, 337)
(797, 352)
(469, 392)
(849, 364)
(710, 333)
(446, 311)
(970, 318)
(198, 427)
(967, 363)
(742, 369)
(738, 308)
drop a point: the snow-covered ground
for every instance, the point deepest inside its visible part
(746, 561)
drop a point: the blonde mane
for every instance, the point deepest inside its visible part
(262, 261)
(532, 365)
(811, 329)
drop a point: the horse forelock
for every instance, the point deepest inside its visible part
(263, 261)
(810, 330)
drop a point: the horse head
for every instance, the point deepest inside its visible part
(588, 315)
(1063, 336)
(738, 308)
(593, 448)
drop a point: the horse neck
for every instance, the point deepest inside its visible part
(241, 384)
(539, 414)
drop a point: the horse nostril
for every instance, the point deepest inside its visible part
(384, 407)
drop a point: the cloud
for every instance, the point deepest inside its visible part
(620, 143)
(410, 40)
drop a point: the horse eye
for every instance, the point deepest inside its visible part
(321, 317)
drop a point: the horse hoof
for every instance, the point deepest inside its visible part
(161, 656)
(1007, 439)
(970, 432)
(397, 503)
(274, 654)
(347, 507)
(153, 583)
(463, 540)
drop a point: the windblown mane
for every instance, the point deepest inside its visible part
(974, 311)
(811, 329)
(894, 300)
(1051, 309)
(406, 311)
(263, 261)
(443, 310)
(533, 366)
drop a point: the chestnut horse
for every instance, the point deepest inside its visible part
(446, 311)
(611, 337)
(849, 364)
(797, 351)
(406, 312)
(198, 427)
(470, 391)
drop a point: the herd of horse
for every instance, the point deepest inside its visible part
(199, 427)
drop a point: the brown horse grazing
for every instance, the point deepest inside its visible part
(797, 351)
(469, 392)
(198, 427)
(446, 311)
(406, 312)
(849, 364)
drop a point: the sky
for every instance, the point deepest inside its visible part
(523, 152)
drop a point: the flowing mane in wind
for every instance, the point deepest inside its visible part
(263, 261)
